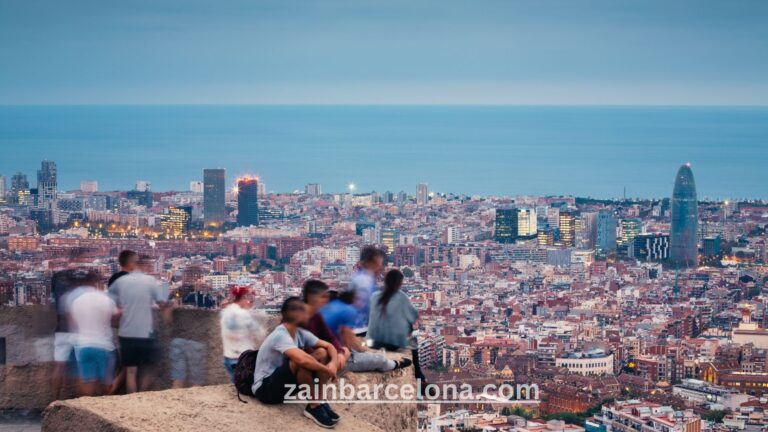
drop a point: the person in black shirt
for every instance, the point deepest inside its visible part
(128, 260)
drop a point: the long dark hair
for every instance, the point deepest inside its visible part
(392, 283)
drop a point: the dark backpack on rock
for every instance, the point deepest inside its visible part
(244, 368)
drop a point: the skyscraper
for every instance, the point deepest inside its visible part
(313, 189)
(214, 196)
(2, 187)
(47, 184)
(527, 223)
(247, 201)
(567, 226)
(422, 193)
(506, 225)
(685, 219)
(19, 189)
(605, 237)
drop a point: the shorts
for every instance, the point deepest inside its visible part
(274, 387)
(138, 352)
(229, 365)
(95, 364)
(187, 361)
(63, 346)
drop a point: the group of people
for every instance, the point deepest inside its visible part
(323, 333)
(87, 310)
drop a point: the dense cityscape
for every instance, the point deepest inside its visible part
(629, 314)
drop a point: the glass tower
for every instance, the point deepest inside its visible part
(506, 225)
(247, 201)
(214, 196)
(685, 218)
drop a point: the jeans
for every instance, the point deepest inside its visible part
(369, 361)
(229, 365)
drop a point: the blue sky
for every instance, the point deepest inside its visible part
(396, 51)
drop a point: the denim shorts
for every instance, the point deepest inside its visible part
(229, 365)
(188, 361)
(95, 364)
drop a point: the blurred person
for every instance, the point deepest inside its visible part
(392, 318)
(283, 363)
(188, 348)
(128, 261)
(91, 312)
(63, 338)
(136, 294)
(339, 314)
(363, 282)
(242, 329)
(316, 295)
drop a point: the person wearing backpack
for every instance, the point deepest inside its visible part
(283, 364)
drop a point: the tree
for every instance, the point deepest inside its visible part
(714, 415)
(407, 272)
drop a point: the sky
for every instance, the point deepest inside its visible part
(681, 52)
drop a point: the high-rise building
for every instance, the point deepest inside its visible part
(143, 186)
(545, 237)
(175, 223)
(586, 227)
(650, 247)
(196, 186)
(422, 194)
(142, 197)
(630, 228)
(47, 184)
(526, 223)
(685, 220)
(313, 189)
(214, 196)
(20, 189)
(711, 245)
(567, 227)
(387, 197)
(389, 238)
(89, 186)
(247, 201)
(506, 225)
(2, 187)
(605, 235)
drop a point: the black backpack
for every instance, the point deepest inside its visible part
(244, 368)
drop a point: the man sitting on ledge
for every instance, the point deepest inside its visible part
(283, 364)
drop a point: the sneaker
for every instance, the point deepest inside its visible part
(403, 363)
(331, 413)
(319, 416)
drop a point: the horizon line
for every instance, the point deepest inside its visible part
(390, 104)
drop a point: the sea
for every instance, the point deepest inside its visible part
(586, 151)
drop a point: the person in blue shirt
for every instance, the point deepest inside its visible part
(340, 315)
(363, 282)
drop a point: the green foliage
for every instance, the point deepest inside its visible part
(714, 415)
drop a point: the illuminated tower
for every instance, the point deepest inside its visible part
(567, 226)
(247, 201)
(214, 196)
(685, 219)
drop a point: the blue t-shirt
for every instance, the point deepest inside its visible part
(337, 314)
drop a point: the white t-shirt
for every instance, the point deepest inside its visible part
(240, 329)
(92, 313)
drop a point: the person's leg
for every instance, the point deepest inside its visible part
(148, 366)
(131, 379)
(62, 350)
(178, 363)
(195, 359)
(417, 366)
(369, 361)
(229, 365)
(87, 361)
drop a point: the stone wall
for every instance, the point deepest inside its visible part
(28, 333)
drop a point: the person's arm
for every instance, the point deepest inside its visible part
(333, 363)
(350, 340)
(306, 361)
